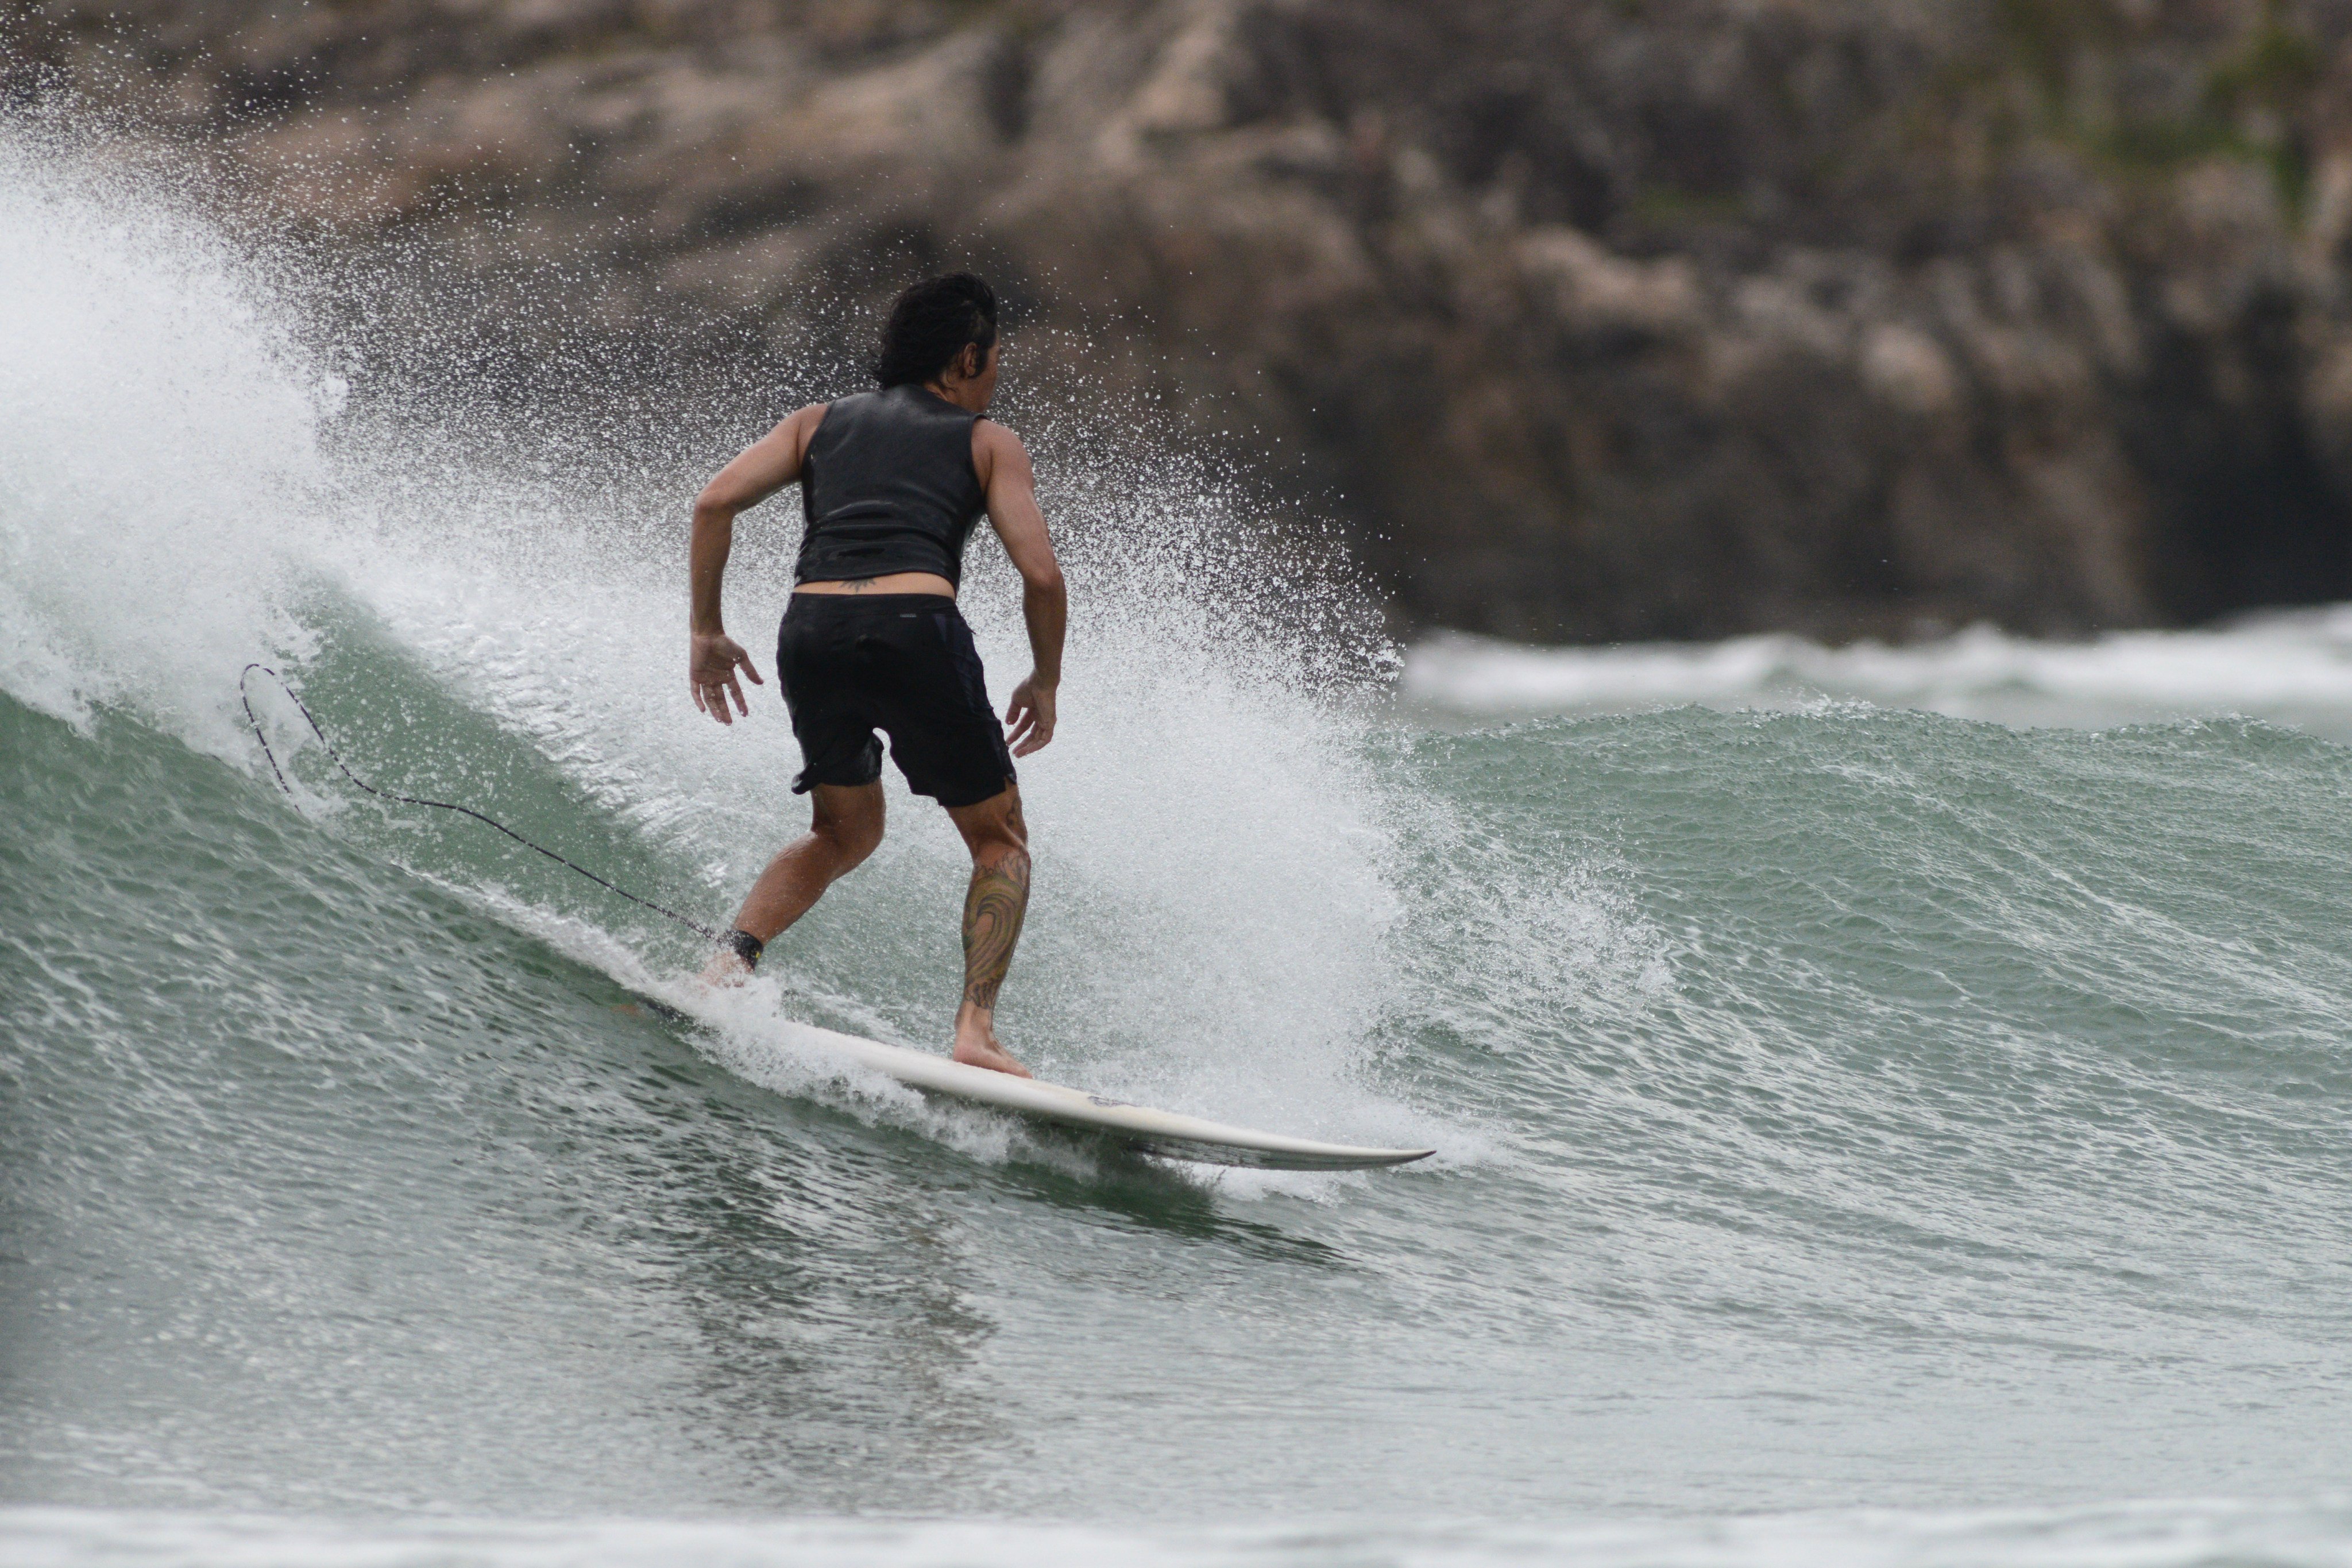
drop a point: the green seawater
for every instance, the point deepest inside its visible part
(1849, 1107)
(1868, 1135)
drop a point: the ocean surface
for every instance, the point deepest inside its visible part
(1892, 1102)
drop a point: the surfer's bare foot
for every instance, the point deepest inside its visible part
(725, 969)
(980, 1051)
(733, 960)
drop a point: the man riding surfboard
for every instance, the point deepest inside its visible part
(892, 481)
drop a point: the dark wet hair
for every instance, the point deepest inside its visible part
(929, 326)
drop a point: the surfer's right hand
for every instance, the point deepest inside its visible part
(1029, 718)
(711, 672)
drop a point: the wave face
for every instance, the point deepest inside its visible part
(1844, 1108)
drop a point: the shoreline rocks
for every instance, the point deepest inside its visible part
(1601, 320)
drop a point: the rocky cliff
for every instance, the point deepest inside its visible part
(1594, 319)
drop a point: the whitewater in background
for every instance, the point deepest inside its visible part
(2287, 666)
(1871, 1134)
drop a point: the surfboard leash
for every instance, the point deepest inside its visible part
(245, 698)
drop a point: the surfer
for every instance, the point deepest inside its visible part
(892, 481)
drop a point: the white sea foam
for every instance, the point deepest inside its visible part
(2288, 666)
(2145, 1535)
(159, 459)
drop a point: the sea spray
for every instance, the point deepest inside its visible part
(160, 467)
(1216, 850)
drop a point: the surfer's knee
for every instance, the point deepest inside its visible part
(851, 838)
(1000, 843)
(848, 821)
(995, 842)
(993, 829)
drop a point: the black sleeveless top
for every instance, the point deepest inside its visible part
(888, 486)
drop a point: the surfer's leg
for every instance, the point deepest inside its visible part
(843, 830)
(993, 912)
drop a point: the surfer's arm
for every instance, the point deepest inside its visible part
(763, 468)
(1011, 489)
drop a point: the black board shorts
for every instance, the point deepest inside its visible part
(851, 664)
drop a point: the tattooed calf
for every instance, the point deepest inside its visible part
(991, 925)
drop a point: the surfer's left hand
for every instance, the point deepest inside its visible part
(711, 671)
(1029, 718)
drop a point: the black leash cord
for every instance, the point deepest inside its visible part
(244, 697)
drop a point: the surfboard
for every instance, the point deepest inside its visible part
(1162, 1132)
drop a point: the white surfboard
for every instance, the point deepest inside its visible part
(1162, 1132)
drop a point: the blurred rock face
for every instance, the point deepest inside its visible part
(1602, 318)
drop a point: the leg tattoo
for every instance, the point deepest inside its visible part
(991, 925)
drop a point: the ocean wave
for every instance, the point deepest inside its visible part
(2288, 666)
